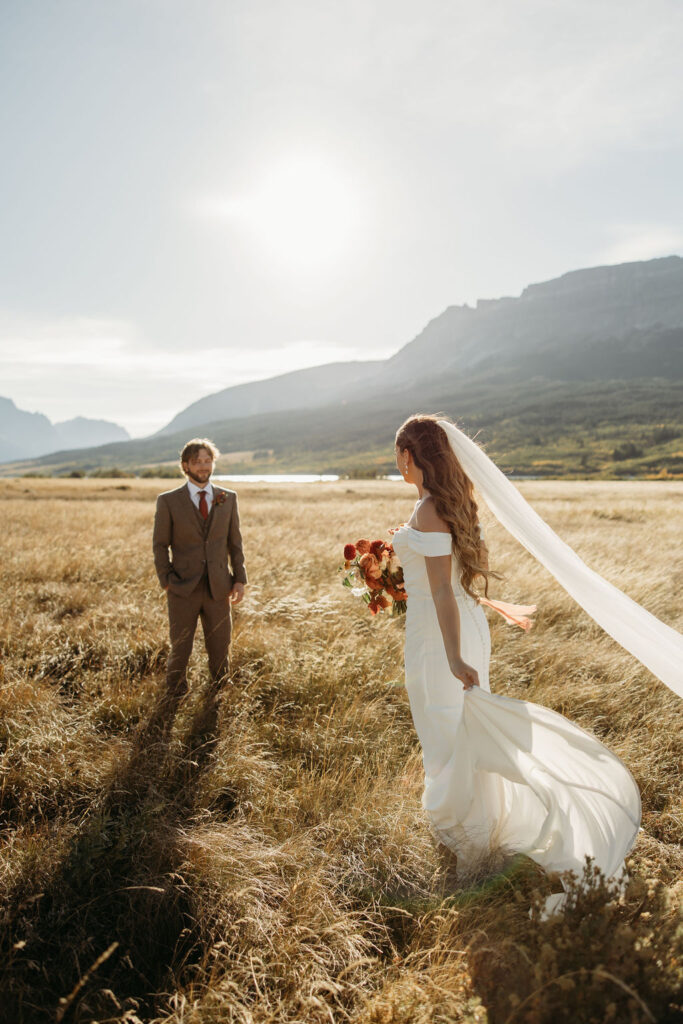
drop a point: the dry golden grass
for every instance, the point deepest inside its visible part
(275, 865)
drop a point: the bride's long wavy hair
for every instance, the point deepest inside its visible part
(452, 491)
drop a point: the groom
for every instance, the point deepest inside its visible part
(199, 525)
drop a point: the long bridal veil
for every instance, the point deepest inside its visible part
(652, 642)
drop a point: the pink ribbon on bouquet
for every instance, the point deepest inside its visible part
(513, 613)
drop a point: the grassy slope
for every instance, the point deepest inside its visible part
(276, 866)
(536, 427)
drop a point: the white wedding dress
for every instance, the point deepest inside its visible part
(499, 772)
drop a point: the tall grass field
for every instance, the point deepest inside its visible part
(267, 860)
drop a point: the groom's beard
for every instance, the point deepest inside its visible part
(202, 478)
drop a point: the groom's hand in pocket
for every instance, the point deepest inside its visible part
(236, 594)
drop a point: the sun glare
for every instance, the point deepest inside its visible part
(302, 213)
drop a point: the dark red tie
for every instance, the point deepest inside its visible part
(203, 507)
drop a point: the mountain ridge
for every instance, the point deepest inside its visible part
(603, 344)
(244, 398)
(616, 301)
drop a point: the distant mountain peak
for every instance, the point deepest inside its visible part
(31, 434)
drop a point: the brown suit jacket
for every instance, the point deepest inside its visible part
(197, 546)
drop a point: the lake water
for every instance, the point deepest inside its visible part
(284, 478)
(311, 478)
(276, 478)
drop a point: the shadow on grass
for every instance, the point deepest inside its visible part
(115, 922)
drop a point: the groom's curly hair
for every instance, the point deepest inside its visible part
(193, 448)
(452, 491)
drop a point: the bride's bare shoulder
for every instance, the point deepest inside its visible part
(427, 518)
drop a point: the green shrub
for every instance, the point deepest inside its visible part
(111, 473)
(628, 450)
(160, 472)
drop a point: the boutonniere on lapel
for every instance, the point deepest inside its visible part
(219, 498)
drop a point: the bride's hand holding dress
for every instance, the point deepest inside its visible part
(467, 675)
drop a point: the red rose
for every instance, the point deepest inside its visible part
(349, 552)
(377, 547)
(362, 547)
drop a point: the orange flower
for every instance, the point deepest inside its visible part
(362, 547)
(373, 584)
(398, 595)
(378, 601)
(370, 566)
(377, 547)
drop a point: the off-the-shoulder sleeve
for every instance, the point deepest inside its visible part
(430, 544)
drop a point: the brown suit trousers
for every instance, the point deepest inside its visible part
(183, 615)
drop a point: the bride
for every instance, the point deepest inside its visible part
(503, 773)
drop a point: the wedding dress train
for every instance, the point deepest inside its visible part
(501, 772)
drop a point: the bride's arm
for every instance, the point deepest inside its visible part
(447, 612)
(439, 569)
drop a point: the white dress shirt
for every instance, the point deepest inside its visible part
(194, 493)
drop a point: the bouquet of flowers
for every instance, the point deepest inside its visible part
(372, 570)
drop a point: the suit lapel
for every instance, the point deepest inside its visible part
(218, 509)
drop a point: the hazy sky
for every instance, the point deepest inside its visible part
(197, 193)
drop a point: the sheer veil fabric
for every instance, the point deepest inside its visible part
(657, 646)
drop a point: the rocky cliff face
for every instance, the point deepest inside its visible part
(608, 301)
(602, 303)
